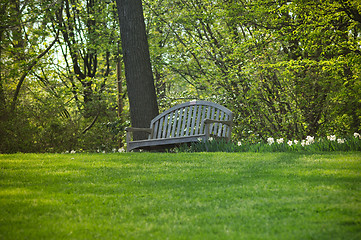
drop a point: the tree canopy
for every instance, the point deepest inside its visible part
(285, 68)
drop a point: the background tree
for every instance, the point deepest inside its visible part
(88, 50)
(66, 101)
(25, 43)
(279, 65)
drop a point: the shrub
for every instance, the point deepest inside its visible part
(309, 144)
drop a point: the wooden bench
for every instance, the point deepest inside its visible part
(184, 123)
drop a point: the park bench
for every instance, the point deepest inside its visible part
(183, 124)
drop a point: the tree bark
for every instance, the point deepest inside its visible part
(138, 71)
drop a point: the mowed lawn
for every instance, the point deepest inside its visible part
(180, 196)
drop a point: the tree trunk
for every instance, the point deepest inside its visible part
(119, 88)
(138, 71)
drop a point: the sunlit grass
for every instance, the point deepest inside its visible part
(181, 196)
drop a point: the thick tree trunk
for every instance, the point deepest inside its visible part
(138, 71)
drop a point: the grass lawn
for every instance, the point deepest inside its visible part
(181, 196)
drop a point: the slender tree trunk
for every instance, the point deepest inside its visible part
(2, 93)
(138, 71)
(119, 88)
(119, 98)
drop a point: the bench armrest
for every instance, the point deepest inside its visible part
(133, 129)
(208, 122)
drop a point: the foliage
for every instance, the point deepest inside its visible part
(52, 97)
(329, 144)
(285, 68)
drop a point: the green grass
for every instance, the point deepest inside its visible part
(181, 196)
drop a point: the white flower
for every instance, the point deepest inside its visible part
(357, 135)
(339, 140)
(121, 150)
(72, 151)
(289, 143)
(279, 141)
(310, 140)
(295, 141)
(331, 138)
(270, 141)
(210, 139)
(103, 152)
(303, 143)
(239, 143)
(199, 139)
(114, 150)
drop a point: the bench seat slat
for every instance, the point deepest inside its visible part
(203, 117)
(225, 130)
(198, 120)
(179, 127)
(155, 130)
(187, 128)
(220, 126)
(160, 128)
(185, 114)
(212, 117)
(194, 117)
(166, 141)
(170, 124)
(165, 124)
(216, 125)
(174, 123)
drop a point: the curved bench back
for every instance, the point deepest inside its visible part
(186, 119)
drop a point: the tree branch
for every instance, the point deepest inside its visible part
(91, 124)
(31, 65)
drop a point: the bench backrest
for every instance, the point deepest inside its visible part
(186, 119)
